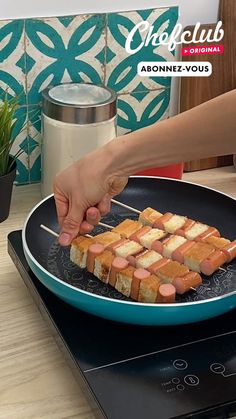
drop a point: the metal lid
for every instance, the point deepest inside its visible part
(79, 103)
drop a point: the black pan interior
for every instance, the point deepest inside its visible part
(194, 201)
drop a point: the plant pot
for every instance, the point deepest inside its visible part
(6, 183)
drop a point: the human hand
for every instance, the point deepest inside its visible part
(83, 195)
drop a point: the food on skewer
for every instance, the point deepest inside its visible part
(127, 227)
(149, 216)
(79, 250)
(198, 256)
(177, 224)
(225, 245)
(116, 270)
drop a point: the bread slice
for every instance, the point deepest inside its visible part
(128, 248)
(107, 238)
(148, 290)
(172, 244)
(154, 234)
(217, 242)
(79, 251)
(172, 270)
(124, 281)
(194, 256)
(147, 259)
(127, 228)
(148, 216)
(176, 221)
(102, 266)
(196, 230)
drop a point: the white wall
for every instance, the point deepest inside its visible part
(191, 11)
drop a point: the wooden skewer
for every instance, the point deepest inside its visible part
(222, 269)
(105, 225)
(125, 206)
(53, 233)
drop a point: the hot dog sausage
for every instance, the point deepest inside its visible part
(185, 283)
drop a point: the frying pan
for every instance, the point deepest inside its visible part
(52, 266)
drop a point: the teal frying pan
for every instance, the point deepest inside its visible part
(52, 266)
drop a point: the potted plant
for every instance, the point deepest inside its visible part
(7, 160)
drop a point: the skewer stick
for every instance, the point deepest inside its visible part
(105, 225)
(125, 206)
(53, 233)
(222, 269)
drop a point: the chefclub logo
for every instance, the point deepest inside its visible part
(178, 37)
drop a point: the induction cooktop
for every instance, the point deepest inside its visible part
(139, 372)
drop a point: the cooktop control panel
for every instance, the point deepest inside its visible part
(184, 379)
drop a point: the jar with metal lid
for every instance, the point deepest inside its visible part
(77, 118)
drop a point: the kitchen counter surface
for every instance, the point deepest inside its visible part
(36, 381)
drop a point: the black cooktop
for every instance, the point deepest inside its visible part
(139, 372)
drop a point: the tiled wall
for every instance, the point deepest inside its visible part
(37, 52)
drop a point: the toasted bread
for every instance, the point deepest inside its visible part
(172, 270)
(154, 234)
(194, 256)
(102, 266)
(149, 216)
(148, 290)
(127, 228)
(124, 281)
(196, 230)
(172, 244)
(217, 242)
(128, 248)
(147, 259)
(107, 238)
(79, 251)
(176, 221)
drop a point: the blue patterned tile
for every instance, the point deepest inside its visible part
(64, 52)
(12, 49)
(137, 111)
(20, 143)
(121, 70)
(35, 139)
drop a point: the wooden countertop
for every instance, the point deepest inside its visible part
(36, 381)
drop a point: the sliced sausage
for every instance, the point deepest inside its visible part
(211, 231)
(166, 293)
(159, 223)
(116, 244)
(136, 236)
(133, 259)
(94, 250)
(188, 224)
(117, 265)
(139, 275)
(185, 283)
(213, 262)
(230, 251)
(178, 254)
(158, 245)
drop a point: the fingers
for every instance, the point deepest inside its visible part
(93, 215)
(104, 205)
(71, 225)
(62, 206)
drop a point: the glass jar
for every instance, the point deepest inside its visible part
(77, 118)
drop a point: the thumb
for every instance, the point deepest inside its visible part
(71, 224)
